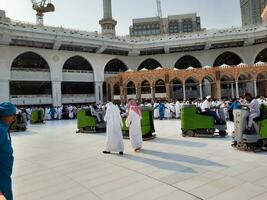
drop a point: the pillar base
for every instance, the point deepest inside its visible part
(108, 27)
(56, 92)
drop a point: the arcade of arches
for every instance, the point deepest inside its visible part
(170, 84)
(31, 78)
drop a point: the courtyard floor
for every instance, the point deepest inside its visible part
(54, 163)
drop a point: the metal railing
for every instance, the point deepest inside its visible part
(77, 71)
(30, 96)
(181, 36)
(29, 69)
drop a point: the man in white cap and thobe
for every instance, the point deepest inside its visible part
(206, 110)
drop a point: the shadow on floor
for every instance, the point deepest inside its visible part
(178, 142)
(20, 134)
(164, 165)
(183, 158)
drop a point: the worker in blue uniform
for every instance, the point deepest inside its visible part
(7, 117)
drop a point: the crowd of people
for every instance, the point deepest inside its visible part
(61, 112)
(162, 109)
(172, 110)
(112, 115)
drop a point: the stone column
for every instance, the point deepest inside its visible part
(4, 91)
(237, 89)
(264, 88)
(138, 93)
(218, 88)
(232, 90)
(153, 93)
(112, 92)
(122, 95)
(107, 10)
(107, 23)
(255, 88)
(56, 93)
(99, 92)
(184, 92)
(200, 91)
(168, 92)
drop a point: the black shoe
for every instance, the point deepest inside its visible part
(121, 153)
(106, 152)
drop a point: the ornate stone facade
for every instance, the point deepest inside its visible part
(228, 79)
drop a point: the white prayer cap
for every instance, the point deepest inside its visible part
(208, 97)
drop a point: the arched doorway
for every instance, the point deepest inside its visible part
(160, 89)
(25, 86)
(30, 61)
(149, 64)
(131, 90)
(116, 92)
(262, 56)
(262, 84)
(116, 89)
(207, 87)
(176, 89)
(78, 81)
(146, 90)
(227, 58)
(192, 88)
(115, 66)
(112, 68)
(245, 84)
(77, 64)
(186, 62)
(228, 87)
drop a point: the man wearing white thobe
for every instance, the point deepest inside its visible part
(177, 109)
(114, 141)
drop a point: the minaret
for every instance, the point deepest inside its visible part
(107, 23)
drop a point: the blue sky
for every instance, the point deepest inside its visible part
(85, 14)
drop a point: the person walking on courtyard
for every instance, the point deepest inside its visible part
(7, 117)
(161, 108)
(133, 121)
(156, 110)
(114, 141)
(177, 109)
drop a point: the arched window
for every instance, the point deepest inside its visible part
(262, 56)
(115, 66)
(131, 88)
(149, 64)
(77, 63)
(160, 87)
(145, 87)
(31, 61)
(227, 58)
(117, 89)
(187, 61)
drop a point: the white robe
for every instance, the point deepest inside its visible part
(156, 111)
(71, 114)
(114, 141)
(133, 121)
(178, 109)
(47, 115)
(59, 113)
(172, 108)
(167, 113)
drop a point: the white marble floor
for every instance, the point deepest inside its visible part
(54, 163)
